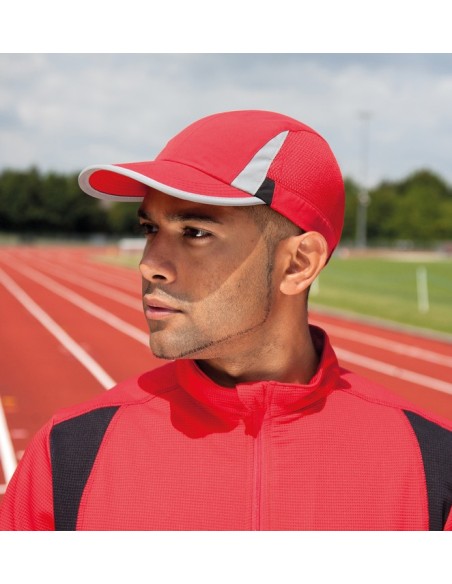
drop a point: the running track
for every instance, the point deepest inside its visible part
(71, 327)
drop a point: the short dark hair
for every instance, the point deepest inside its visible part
(273, 225)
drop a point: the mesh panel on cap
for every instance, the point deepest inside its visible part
(306, 166)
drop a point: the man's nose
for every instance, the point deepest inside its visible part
(157, 263)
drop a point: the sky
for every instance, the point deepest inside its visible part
(385, 115)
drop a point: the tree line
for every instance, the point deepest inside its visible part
(417, 209)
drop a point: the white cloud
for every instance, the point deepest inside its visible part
(66, 111)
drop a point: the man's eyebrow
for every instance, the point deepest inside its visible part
(182, 216)
(142, 214)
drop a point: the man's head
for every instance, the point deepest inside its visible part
(241, 211)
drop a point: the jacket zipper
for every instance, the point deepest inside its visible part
(257, 482)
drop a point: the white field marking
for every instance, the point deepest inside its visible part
(423, 304)
(394, 371)
(103, 274)
(67, 260)
(121, 297)
(74, 348)
(7, 457)
(84, 304)
(394, 346)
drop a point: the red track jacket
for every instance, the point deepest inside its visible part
(171, 450)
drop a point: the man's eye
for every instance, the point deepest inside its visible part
(148, 228)
(193, 233)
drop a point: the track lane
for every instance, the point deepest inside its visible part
(117, 352)
(85, 263)
(436, 342)
(84, 283)
(106, 296)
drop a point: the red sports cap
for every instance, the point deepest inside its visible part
(238, 158)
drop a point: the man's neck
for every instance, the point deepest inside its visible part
(292, 362)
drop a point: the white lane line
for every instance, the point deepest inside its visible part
(7, 456)
(393, 346)
(108, 292)
(74, 348)
(84, 304)
(104, 273)
(118, 280)
(394, 371)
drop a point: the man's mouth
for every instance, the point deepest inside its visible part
(155, 309)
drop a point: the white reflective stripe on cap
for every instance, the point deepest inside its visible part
(255, 172)
(85, 185)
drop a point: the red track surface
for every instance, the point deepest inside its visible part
(40, 375)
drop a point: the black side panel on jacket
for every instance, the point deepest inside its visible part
(74, 445)
(435, 443)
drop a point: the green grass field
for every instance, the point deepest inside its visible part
(379, 287)
(387, 288)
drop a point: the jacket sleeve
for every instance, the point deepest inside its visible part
(28, 502)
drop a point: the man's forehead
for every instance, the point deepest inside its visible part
(157, 202)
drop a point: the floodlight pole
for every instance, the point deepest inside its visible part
(363, 194)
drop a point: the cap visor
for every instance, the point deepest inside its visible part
(131, 182)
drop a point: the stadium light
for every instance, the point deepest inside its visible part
(363, 193)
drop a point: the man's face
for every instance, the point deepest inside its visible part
(207, 278)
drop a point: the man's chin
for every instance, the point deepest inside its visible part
(178, 350)
(167, 349)
(163, 352)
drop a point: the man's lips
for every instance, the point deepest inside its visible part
(157, 309)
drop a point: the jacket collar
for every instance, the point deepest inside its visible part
(267, 398)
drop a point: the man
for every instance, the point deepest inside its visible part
(252, 424)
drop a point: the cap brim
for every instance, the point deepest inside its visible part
(131, 182)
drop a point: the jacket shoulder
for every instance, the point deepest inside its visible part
(373, 392)
(432, 435)
(135, 390)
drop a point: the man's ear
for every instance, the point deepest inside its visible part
(306, 256)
